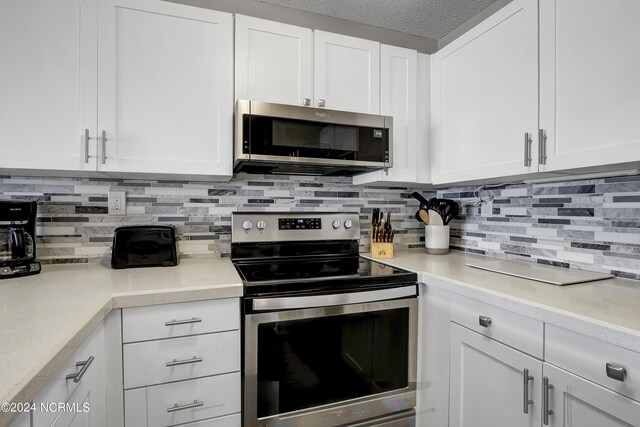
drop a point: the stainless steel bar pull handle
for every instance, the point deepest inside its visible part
(321, 103)
(176, 362)
(525, 399)
(485, 321)
(177, 407)
(306, 102)
(86, 145)
(104, 147)
(78, 376)
(542, 147)
(527, 149)
(183, 321)
(546, 389)
(616, 372)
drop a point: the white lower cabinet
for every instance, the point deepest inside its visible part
(574, 401)
(182, 364)
(161, 361)
(593, 384)
(475, 355)
(492, 384)
(23, 420)
(184, 401)
(80, 381)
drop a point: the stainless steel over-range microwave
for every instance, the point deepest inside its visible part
(287, 139)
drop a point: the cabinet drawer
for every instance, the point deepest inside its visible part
(181, 319)
(155, 362)
(588, 358)
(59, 388)
(227, 421)
(183, 402)
(520, 332)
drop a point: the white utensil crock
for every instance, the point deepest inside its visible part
(436, 239)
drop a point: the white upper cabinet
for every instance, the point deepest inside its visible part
(274, 61)
(398, 98)
(164, 99)
(346, 73)
(47, 84)
(589, 90)
(165, 89)
(485, 98)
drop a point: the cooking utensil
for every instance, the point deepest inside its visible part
(423, 215)
(450, 211)
(419, 197)
(435, 218)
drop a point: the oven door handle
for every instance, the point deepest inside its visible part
(287, 303)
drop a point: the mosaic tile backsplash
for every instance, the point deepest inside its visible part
(592, 225)
(74, 224)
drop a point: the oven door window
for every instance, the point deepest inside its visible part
(312, 362)
(299, 138)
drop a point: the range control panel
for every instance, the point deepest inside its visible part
(300, 223)
(294, 226)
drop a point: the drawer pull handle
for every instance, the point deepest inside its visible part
(84, 367)
(183, 322)
(546, 389)
(485, 321)
(525, 400)
(177, 407)
(176, 362)
(616, 372)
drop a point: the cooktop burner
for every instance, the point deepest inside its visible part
(321, 256)
(274, 272)
(303, 276)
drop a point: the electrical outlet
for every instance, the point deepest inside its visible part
(486, 209)
(117, 203)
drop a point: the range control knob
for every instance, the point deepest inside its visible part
(348, 224)
(247, 225)
(261, 225)
(336, 223)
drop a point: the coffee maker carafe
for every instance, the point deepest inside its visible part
(17, 239)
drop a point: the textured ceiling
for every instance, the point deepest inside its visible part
(424, 18)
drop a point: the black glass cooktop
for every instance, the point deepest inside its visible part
(317, 275)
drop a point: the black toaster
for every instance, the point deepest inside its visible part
(144, 246)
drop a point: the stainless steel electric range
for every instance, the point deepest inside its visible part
(330, 338)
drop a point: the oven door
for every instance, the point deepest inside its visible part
(330, 365)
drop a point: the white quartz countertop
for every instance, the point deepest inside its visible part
(608, 310)
(44, 318)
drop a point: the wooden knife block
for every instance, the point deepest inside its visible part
(380, 250)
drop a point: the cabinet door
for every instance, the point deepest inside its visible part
(85, 408)
(166, 88)
(578, 402)
(487, 383)
(485, 97)
(346, 73)
(47, 84)
(273, 61)
(589, 91)
(398, 98)
(23, 420)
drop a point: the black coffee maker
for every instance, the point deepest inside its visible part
(18, 239)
